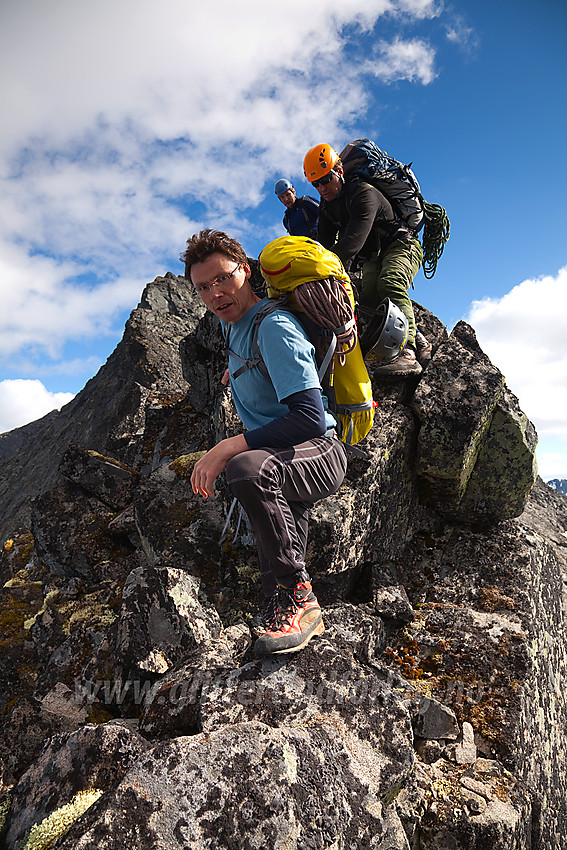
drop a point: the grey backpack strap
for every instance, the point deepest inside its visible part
(256, 361)
(326, 362)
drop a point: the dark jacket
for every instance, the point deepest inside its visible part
(359, 222)
(301, 218)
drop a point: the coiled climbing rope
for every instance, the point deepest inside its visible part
(435, 235)
(327, 304)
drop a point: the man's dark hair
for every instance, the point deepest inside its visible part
(200, 247)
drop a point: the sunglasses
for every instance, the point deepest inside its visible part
(323, 180)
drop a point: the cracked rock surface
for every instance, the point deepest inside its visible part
(428, 715)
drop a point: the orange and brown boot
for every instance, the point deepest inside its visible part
(298, 618)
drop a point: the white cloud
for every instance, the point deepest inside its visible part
(524, 335)
(552, 458)
(42, 309)
(118, 116)
(463, 36)
(24, 401)
(412, 60)
(421, 8)
(163, 65)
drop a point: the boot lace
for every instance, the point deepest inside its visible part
(270, 613)
(287, 604)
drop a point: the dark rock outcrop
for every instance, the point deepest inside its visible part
(279, 787)
(475, 455)
(109, 415)
(428, 715)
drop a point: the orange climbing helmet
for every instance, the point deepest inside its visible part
(318, 161)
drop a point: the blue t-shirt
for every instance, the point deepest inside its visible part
(290, 360)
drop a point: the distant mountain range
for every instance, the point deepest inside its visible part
(559, 484)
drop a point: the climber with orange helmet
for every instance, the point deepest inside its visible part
(358, 222)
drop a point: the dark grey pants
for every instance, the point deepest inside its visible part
(276, 488)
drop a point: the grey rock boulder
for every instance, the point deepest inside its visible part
(389, 597)
(72, 538)
(476, 448)
(109, 480)
(94, 757)
(355, 629)
(321, 681)
(177, 528)
(172, 706)
(430, 326)
(161, 619)
(454, 404)
(435, 721)
(30, 725)
(506, 468)
(247, 786)
(465, 750)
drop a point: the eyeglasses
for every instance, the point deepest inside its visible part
(205, 288)
(322, 181)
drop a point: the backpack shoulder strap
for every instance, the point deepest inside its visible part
(256, 361)
(355, 186)
(352, 188)
(303, 207)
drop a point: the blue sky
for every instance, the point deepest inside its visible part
(130, 124)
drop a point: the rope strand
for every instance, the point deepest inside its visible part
(330, 308)
(435, 235)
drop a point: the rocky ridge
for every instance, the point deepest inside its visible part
(559, 484)
(428, 715)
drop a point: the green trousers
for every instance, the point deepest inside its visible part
(389, 274)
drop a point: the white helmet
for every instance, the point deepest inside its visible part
(386, 333)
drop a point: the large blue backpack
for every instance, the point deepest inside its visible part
(394, 179)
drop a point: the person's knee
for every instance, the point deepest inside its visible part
(241, 467)
(247, 467)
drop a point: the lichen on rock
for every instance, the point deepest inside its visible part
(183, 465)
(45, 834)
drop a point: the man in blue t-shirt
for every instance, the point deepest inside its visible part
(301, 215)
(288, 457)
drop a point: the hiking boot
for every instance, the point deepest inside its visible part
(265, 619)
(403, 365)
(297, 619)
(424, 349)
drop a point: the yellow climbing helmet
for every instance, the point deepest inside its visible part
(318, 161)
